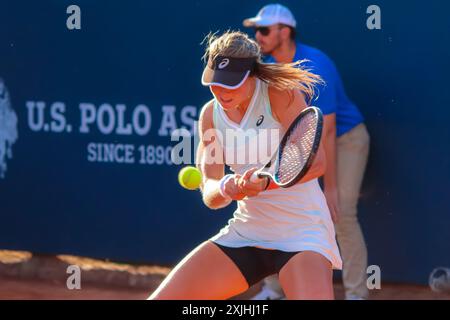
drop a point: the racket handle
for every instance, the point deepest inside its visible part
(255, 177)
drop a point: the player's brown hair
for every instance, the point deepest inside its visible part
(282, 76)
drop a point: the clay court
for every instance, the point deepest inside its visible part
(27, 276)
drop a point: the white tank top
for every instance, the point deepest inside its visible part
(251, 142)
(290, 219)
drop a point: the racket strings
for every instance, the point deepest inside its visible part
(297, 149)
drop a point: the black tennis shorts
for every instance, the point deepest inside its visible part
(255, 263)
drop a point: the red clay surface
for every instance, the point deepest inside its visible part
(11, 288)
(26, 288)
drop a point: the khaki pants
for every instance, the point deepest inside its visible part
(352, 152)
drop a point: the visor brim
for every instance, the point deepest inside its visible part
(224, 79)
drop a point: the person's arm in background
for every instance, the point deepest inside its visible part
(327, 102)
(330, 176)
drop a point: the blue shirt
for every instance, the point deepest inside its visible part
(331, 97)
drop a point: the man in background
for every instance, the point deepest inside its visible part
(345, 139)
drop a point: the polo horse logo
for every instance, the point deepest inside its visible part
(8, 128)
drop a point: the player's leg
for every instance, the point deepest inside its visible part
(307, 276)
(352, 153)
(205, 273)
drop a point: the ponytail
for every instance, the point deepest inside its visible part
(288, 76)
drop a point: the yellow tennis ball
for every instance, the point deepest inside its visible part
(190, 178)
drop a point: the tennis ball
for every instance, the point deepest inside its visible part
(190, 178)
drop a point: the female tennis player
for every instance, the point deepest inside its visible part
(287, 231)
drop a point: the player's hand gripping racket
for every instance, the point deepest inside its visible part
(296, 151)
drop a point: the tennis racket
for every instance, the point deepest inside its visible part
(296, 151)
